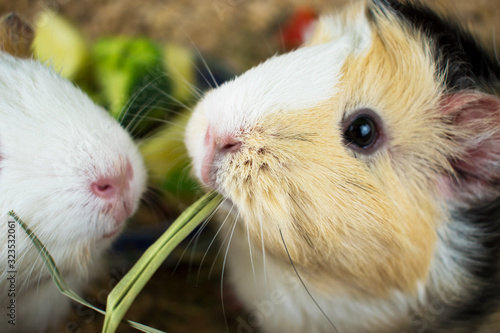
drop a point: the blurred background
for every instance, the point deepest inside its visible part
(154, 58)
(241, 32)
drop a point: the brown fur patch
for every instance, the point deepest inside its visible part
(16, 35)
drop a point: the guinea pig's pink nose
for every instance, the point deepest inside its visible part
(106, 187)
(110, 187)
(216, 146)
(230, 145)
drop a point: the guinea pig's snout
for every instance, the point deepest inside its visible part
(217, 146)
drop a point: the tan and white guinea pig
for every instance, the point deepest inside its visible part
(72, 173)
(367, 163)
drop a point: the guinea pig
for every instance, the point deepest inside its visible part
(361, 172)
(72, 173)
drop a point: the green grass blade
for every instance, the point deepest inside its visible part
(61, 283)
(123, 294)
(47, 259)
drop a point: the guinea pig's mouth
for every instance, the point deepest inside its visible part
(117, 227)
(216, 186)
(113, 232)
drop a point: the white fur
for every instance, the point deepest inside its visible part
(54, 141)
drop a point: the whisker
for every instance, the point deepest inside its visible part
(133, 122)
(222, 273)
(304, 285)
(194, 238)
(163, 121)
(186, 169)
(263, 251)
(251, 254)
(212, 241)
(206, 66)
(207, 81)
(173, 111)
(186, 173)
(222, 243)
(170, 96)
(193, 88)
(130, 102)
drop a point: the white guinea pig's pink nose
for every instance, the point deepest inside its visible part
(113, 186)
(216, 146)
(108, 187)
(115, 191)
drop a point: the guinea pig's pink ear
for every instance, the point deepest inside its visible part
(16, 36)
(475, 117)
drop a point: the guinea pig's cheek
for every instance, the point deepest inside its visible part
(347, 233)
(194, 138)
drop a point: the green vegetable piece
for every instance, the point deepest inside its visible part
(130, 74)
(60, 44)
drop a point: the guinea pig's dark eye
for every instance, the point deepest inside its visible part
(361, 131)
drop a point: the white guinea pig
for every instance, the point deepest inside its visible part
(367, 162)
(72, 173)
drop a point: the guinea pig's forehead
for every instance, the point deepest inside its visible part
(298, 80)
